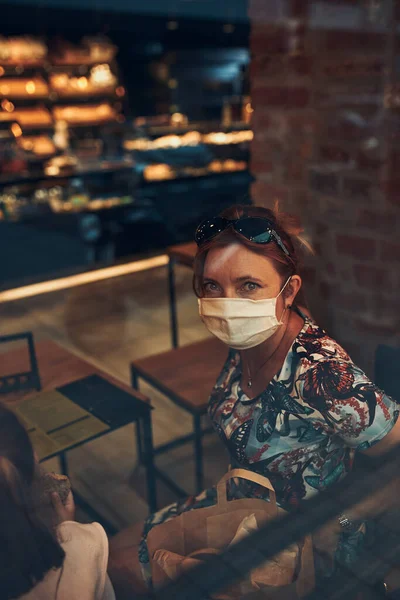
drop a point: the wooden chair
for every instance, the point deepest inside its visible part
(181, 254)
(186, 376)
(25, 380)
(105, 405)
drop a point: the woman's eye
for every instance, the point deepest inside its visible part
(210, 287)
(250, 286)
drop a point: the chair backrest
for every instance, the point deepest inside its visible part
(26, 380)
(387, 370)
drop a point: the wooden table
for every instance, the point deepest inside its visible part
(186, 375)
(182, 254)
(59, 367)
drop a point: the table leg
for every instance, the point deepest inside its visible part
(172, 303)
(134, 378)
(149, 462)
(198, 453)
(63, 463)
(139, 444)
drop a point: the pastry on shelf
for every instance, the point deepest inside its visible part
(220, 138)
(158, 172)
(40, 145)
(23, 88)
(225, 166)
(100, 48)
(89, 52)
(85, 115)
(192, 138)
(22, 51)
(60, 164)
(66, 85)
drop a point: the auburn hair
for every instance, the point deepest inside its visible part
(29, 546)
(287, 226)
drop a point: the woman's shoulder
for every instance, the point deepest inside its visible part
(88, 531)
(314, 344)
(86, 552)
(89, 539)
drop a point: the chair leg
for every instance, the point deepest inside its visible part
(198, 453)
(149, 462)
(139, 443)
(63, 463)
(172, 303)
(134, 378)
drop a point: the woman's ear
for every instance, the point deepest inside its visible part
(293, 288)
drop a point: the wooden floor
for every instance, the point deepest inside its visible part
(110, 323)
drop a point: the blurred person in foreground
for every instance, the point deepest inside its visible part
(289, 403)
(44, 554)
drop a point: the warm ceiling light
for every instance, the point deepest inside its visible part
(1, 71)
(83, 278)
(4, 89)
(120, 91)
(30, 87)
(172, 25)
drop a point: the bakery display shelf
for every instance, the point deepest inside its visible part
(155, 131)
(209, 181)
(52, 212)
(97, 95)
(84, 171)
(20, 96)
(19, 67)
(28, 126)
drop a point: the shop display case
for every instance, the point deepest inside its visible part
(72, 161)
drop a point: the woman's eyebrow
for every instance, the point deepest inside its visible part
(247, 277)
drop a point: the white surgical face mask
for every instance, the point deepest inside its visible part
(239, 322)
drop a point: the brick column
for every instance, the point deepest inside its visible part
(327, 144)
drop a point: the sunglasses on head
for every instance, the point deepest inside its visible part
(255, 229)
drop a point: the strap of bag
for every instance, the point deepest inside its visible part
(249, 476)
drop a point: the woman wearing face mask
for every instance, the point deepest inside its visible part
(289, 402)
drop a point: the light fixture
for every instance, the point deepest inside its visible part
(1, 71)
(173, 84)
(120, 91)
(63, 283)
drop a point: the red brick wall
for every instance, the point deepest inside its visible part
(327, 144)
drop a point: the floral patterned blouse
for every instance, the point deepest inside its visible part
(301, 431)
